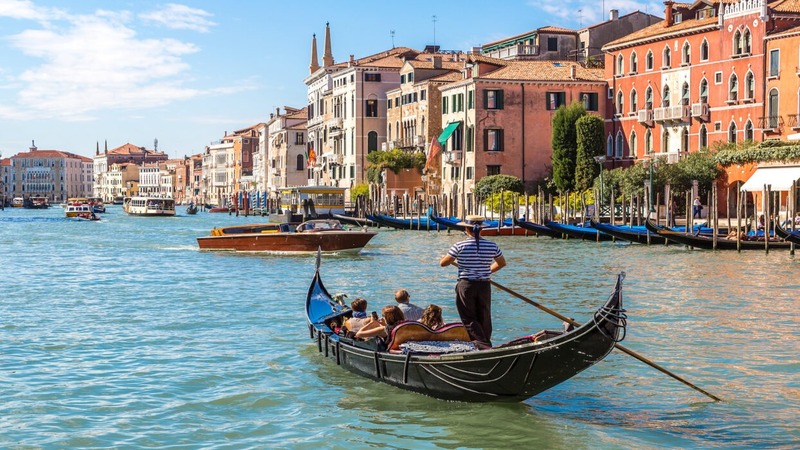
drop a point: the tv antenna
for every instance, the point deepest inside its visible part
(580, 18)
(391, 32)
(434, 30)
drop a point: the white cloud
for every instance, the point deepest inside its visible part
(93, 63)
(180, 17)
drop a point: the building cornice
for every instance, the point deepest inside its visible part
(661, 37)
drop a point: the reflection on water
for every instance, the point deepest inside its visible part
(121, 333)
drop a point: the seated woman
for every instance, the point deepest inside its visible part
(432, 317)
(359, 319)
(392, 315)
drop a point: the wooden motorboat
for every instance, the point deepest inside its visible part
(307, 237)
(510, 372)
(490, 228)
(707, 243)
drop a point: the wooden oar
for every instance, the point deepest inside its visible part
(623, 349)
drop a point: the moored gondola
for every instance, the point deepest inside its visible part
(356, 221)
(631, 234)
(419, 223)
(491, 227)
(511, 372)
(577, 232)
(791, 236)
(707, 243)
(537, 228)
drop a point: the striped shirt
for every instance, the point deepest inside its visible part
(474, 263)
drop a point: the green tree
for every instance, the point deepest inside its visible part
(492, 184)
(565, 146)
(590, 144)
(394, 160)
(359, 189)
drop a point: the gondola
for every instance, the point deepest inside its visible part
(511, 372)
(632, 234)
(791, 236)
(191, 209)
(707, 243)
(490, 226)
(537, 228)
(420, 223)
(577, 232)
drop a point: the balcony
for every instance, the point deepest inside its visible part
(671, 113)
(646, 116)
(771, 124)
(519, 51)
(420, 141)
(668, 157)
(453, 158)
(700, 111)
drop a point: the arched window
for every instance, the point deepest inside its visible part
(634, 101)
(747, 42)
(648, 98)
(620, 104)
(372, 141)
(685, 140)
(737, 43)
(748, 131)
(703, 137)
(666, 60)
(733, 88)
(620, 145)
(773, 108)
(665, 96)
(648, 60)
(703, 91)
(732, 132)
(632, 144)
(300, 164)
(648, 142)
(686, 53)
(685, 94)
(665, 140)
(704, 50)
(634, 63)
(609, 146)
(390, 132)
(620, 66)
(749, 86)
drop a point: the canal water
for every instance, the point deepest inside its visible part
(120, 333)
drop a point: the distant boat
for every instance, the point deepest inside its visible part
(36, 203)
(707, 242)
(17, 202)
(82, 212)
(537, 228)
(586, 233)
(307, 237)
(150, 206)
(420, 223)
(191, 209)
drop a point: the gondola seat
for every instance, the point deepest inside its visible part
(417, 332)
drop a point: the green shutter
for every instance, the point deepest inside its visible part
(485, 99)
(499, 94)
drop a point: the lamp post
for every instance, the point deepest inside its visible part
(650, 189)
(600, 160)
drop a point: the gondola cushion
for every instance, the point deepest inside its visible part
(415, 331)
(437, 347)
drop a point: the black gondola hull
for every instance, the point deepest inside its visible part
(511, 373)
(707, 243)
(629, 234)
(539, 229)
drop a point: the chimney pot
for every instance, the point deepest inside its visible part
(572, 71)
(668, 18)
(613, 14)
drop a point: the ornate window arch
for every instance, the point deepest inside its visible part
(664, 140)
(666, 57)
(648, 141)
(634, 101)
(649, 60)
(648, 98)
(773, 108)
(747, 41)
(633, 144)
(620, 65)
(733, 88)
(685, 140)
(665, 96)
(702, 138)
(685, 94)
(620, 147)
(686, 53)
(732, 132)
(609, 146)
(620, 103)
(748, 131)
(704, 90)
(737, 43)
(634, 62)
(749, 86)
(704, 50)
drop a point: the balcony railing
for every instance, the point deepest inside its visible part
(514, 51)
(669, 157)
(645, 116)
(700, 111)
(770, 123)
(453, 157)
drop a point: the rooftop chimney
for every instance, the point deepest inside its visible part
(33, 146)
(475, 50)
(668, 18)
(437, 62)
(572, 71)
(613, 14)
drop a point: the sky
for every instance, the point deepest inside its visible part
(75, 74)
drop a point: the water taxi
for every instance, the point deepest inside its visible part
(17, 202)
(149, 206)
(287, 238)
(80, 212)
(37, 203)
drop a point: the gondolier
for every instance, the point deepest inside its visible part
(477, 259)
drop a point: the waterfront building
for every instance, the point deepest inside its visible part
(127, 153)
(194, 188)
(318, 84)
(556, 43)
(286, 144)
(118, 179)
(54, 174)
(5, 169)
(179, 173)
(413, 112)
(260, 157)
(497, 120)
(218, 173)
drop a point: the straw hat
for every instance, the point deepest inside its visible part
(471, 221)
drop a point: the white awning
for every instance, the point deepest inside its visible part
(780, 178)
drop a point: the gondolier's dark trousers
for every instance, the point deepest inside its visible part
(474, 304)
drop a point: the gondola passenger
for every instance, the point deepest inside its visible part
(392, 315)
(432, 317)
(359, 319)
